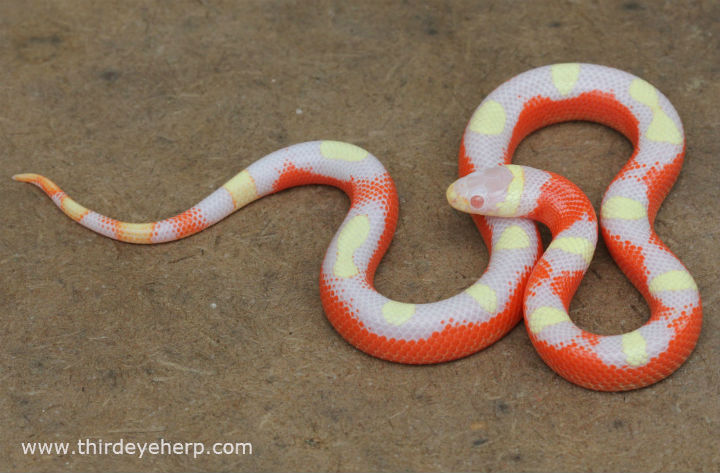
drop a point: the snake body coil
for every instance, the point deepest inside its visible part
(487, 310)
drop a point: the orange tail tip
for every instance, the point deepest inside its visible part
(26, 177)
(48, 186)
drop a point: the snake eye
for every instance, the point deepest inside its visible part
(477, 201)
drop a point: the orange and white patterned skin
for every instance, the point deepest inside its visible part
(487, 310)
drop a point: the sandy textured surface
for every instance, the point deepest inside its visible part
(140, 109)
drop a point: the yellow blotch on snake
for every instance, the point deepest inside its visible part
(564, 76)
(512, 237)
(342, 151)
(634, 346)
(509, 206)
(485, 296)
(72, 209)
(623, 208)
(488, 119)
(575, 245)
(546, 316)
(352, 235)
(661, 128)
(397, 313)
(135, 232)
(242, 189)
(676, 280)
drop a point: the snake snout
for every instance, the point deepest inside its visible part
(455, 197)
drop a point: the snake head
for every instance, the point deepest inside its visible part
(481, 192)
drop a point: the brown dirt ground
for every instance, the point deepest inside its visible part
(140, 109)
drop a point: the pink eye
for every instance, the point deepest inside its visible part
(477, 201)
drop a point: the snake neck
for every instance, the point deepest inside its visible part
(561, 204)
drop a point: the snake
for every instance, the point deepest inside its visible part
(522, 280)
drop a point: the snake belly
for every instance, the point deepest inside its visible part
(488, 309)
